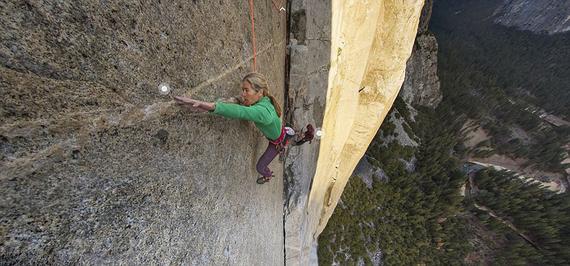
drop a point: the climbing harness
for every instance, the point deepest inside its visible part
(283, 139)
(287, 133)
(281, 143)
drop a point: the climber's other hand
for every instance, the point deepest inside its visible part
(189, 102)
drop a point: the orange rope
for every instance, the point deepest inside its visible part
(251, 10)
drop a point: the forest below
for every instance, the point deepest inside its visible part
(498, 76)
(420, 216)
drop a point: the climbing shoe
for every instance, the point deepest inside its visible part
(264, 179)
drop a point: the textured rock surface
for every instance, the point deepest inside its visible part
(425, 17)
(309, 66)
(551, 16)
(421, 85)
(97, 168)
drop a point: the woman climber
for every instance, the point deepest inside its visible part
(257, 105)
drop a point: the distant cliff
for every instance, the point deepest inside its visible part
(540, 16)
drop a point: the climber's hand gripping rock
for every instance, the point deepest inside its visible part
(194, 105)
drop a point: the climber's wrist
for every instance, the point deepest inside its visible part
(210, 106)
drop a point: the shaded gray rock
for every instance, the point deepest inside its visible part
(400, 135)
(98, 168)
(421, 85)
(309, 51)
(425, 17)
(368, 172)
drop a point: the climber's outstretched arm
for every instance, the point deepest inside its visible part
(194, 105)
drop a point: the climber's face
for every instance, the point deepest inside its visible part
(249, 95)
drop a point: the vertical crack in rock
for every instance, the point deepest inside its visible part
(288, 120)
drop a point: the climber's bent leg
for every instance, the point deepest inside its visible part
(265, 159)
(307, 136)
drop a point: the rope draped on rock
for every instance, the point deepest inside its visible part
(253, 39)
(251, 15)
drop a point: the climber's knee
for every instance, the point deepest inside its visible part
(262, 169)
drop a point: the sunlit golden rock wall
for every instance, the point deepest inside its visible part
(370, 43)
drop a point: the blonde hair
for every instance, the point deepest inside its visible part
(259, 83)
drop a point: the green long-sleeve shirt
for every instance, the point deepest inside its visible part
(261, 113)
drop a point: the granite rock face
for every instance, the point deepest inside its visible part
(421, 85)
(425, 17)
(96, 167)
(309, 51)
(540, 16)
(367, 71)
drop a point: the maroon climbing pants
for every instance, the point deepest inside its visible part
(265, 160)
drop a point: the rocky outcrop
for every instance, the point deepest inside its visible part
(98, 168)
(421, 85)
(540, 16)
(369, 45)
